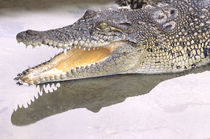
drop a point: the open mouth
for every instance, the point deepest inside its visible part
(67, 64)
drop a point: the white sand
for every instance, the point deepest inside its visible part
(175, 109)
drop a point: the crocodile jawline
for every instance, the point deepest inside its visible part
(66, 64)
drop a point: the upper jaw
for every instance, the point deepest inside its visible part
(58, 39)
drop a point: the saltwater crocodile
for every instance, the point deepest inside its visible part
(168, 37)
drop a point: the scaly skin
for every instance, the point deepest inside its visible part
(167, 37)
(137, 4)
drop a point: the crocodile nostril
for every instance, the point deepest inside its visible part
(31, 32)
(172, 11)
(20, 36)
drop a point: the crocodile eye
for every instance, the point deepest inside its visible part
(102, 26)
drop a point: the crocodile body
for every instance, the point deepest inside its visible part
(158, 38)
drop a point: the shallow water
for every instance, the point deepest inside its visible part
(122, 106)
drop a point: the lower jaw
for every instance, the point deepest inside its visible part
(75, 64)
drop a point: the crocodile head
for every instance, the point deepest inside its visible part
(156, 39)
(98, 44)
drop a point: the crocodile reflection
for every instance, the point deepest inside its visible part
(93, 94)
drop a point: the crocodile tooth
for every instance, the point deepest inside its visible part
(46, 78)
(50, 43)
(60, 45)
(59, 50)
(81, 42)
(82, 68)
(97, 64)
(68, 73)
(31, 82)
(62, 76)
(39, 43)
(54, 44)
(75, 42)
(87, 41)
(51, 77)
(70, 43)
(34, 45)
(87, 66)
(72, 71)
(92, 65)
(65, 51)
(41, 79)
(89, 45)
(36, 82)
(27, 43)
(65, 45)
(93, 43)
(56, 77)
(77, 68)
